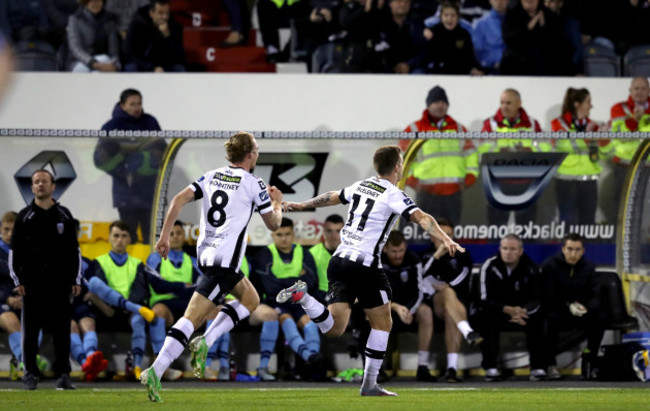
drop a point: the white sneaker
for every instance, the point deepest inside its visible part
(553, 374)
(537, 374)
(210, 375)
(376, 391)
(265, 374)
(172, 374)
(492, 374)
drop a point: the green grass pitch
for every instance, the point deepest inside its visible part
(344, 398)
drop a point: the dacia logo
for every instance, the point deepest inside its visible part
(297, 175)
(56, 162)
(531, 171)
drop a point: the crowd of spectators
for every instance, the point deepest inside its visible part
(511, 37)
(95, 35)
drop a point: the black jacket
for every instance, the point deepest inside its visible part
(498, 289)
(405, 280)
(455, 271)
(44, 247)
(563, 284)
(145, 43)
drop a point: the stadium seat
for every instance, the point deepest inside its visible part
(35, 56)
(601, 61)
(637, 61)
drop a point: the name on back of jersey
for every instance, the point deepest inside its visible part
(371, 189)
(225, 182)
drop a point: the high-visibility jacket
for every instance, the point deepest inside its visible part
(120, 278)
(499, 124)
(169, 272)
(322, 258)
(581, 162)
(286, 270)
(442, 166)
(622, 119)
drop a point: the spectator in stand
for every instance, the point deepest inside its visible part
(638, 13)
(576, 181)
(534, 42)
(443, 168)
(132, 162)
(447, 279)
(604, 22)
(24, 21)
(404, 271)
(488, 38)
(125, 11)
(509, 300)
(322, 28)
(58, 13)
(236, 9)
(449, 48)
(403, 36)
(431, 21)
(571, 31)
(629, 116)
(274, 14)
(92, 39)
(571, 299)
(154, 41)
(511, 118)
(361, 24)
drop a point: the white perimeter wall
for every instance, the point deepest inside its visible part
(290, 102)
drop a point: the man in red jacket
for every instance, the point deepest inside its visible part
(443, 167)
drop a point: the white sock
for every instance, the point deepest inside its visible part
(464, 328)
(315, 310)
(173, 347)
(452, 360)
(375, 352)
(224, 322)
(423, 358)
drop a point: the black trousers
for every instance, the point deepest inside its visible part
(491, 325)
(592, 324)
(46, 308)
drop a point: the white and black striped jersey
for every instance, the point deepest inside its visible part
(229, 196)
(375, 205)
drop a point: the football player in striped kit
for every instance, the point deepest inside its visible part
(228, 196)
(355, 270)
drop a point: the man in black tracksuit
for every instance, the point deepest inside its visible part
(509, 300)
(45, 267)
(571, 297)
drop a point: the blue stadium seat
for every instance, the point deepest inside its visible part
(601, 61)
(637, 61)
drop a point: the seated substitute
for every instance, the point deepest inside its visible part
(446, 283)
(178, 267)
(322, 252)
(509, 300)
(571, 299)
(11, 304)
(123, 281)
(277, 266)
(404, 271)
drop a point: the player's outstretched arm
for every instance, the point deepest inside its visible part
(273, 219)
(430, 225)
(324, 200)
(179, 200)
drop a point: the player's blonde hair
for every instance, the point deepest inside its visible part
(238, 146)
(9, 217)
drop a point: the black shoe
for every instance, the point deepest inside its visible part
(452, 376)
(64, 383)
(474, 338)
(29, 381)
(423, 374)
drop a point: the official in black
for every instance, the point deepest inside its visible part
(45, 266)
